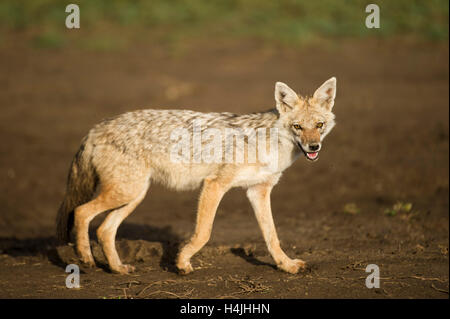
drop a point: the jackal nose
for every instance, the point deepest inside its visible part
(314, 147)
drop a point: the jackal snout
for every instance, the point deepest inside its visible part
(310, 140)
(313, 147)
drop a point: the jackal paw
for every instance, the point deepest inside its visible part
(88, 261)
(123, 269)
(293, 266)
(185, 268)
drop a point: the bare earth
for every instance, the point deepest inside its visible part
(391, 144)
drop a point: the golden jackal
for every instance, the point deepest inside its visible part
(124, 154)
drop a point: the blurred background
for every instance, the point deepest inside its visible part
(378, 194)
(117, 24)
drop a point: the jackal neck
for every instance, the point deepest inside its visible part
(266, 119)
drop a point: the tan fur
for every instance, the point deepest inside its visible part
(123, 155)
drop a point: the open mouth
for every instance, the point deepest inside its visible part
(312, 156)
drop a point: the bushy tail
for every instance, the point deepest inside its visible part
(81, 184)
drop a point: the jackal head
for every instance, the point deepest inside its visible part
(307, 119)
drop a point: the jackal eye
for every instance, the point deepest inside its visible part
(319, 125)
(297, 126)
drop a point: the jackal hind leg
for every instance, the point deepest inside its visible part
(107, 231)
(84, 214)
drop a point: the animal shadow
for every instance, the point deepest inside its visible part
(62, 255)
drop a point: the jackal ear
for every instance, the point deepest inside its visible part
(285, 97)
(326, 93)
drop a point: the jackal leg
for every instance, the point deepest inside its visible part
(106, 233)
(84, 214)
(259, 196)
(212, 192)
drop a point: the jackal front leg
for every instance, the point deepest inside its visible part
(259, 196)
(212, 192)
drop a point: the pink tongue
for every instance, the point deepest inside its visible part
(312, 155)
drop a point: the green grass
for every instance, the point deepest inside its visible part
(49, 40)
(351, 208)
(293, 21)
(399, 207)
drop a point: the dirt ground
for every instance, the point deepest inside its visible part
(390, 146)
